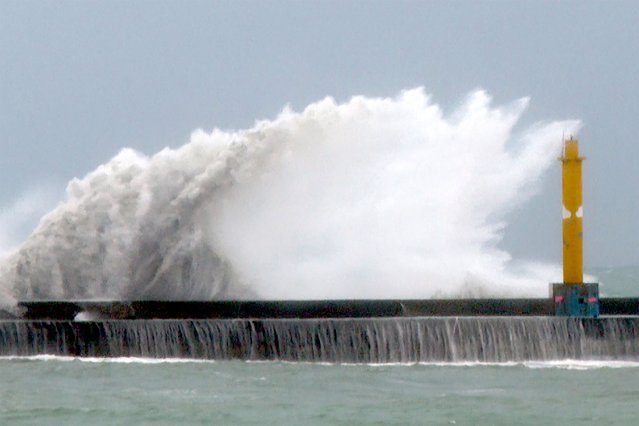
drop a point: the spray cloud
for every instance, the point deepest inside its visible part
(372, 198)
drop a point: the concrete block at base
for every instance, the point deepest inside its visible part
(576, 300)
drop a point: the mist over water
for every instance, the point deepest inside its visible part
(371, 198)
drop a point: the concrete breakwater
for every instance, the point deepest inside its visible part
(231, 309)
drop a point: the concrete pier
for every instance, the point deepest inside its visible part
(67, 310)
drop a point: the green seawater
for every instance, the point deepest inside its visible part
(65, 391)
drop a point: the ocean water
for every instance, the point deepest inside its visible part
(53, 390)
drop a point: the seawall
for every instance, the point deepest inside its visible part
(349, 331)
(354, 340)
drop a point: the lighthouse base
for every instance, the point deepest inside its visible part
(576, 299)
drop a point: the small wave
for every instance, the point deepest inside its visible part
(567, 364)
(113, 360)
(572, 364)
(564, 364)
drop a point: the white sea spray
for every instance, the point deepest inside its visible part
(371, 198)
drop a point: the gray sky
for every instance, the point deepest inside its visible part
(80, 80)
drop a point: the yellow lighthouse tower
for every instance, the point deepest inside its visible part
(572, 213)
(573, 297)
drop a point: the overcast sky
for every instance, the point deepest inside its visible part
(81, 79)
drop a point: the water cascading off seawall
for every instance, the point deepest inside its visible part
(365, 340)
